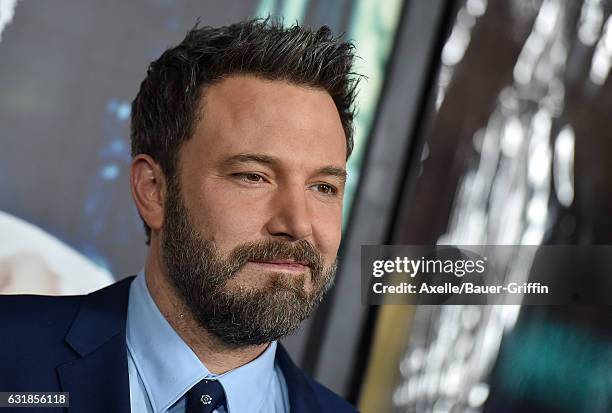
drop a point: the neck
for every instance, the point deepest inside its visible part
(217, 356)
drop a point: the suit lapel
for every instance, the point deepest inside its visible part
(98, 381)
(302, 398)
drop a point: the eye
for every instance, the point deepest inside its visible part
(327, 189)
(250, 177)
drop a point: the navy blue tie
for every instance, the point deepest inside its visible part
(205, 396)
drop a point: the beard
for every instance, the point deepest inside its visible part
(236, 314)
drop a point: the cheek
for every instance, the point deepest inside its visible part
(328, 232)
(223, 218)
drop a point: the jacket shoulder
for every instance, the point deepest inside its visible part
(304, 388)
(329, 400)
(33, 330)
(36, 312)
(41, 333)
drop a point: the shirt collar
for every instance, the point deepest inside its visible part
(169, 368)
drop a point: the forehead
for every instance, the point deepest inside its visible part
(245, 114)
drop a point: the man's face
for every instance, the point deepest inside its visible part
(253, 221)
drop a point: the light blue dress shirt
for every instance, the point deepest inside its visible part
(162, 367)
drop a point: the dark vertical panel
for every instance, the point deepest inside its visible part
(405, 85)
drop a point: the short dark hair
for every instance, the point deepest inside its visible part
(165, 110)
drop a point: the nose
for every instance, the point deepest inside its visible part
(290, 218)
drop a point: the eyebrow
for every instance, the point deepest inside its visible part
(330, 170)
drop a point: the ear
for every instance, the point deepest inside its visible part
(148, 186)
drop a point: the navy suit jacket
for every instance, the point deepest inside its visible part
(77, 344)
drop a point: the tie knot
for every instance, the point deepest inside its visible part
(205, 396)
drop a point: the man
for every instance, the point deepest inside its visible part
(240, 137)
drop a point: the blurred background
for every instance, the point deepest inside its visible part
(481, 123)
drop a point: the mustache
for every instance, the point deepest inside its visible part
(268, 250)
